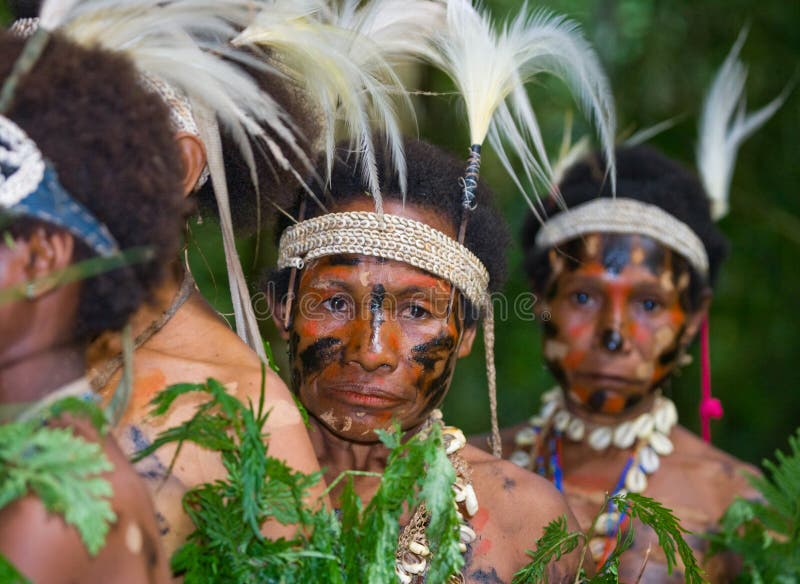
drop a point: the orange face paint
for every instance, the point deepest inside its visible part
(610, 309)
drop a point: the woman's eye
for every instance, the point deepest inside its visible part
(650, 304)
(416, 311)
(336, 303)
(581, 297)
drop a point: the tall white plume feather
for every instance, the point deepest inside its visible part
(186, 43)
(490, 69)
(344, 57)
(400, 32)
(724, 125)
(53, 12)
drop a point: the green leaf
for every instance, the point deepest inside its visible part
(555, 542)
(358, 546)
(766, 533)
(9, 574)
(61, 469)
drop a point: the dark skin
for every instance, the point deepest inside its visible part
(620, 317)
(194, 345)
(372, 341)
(37, 356)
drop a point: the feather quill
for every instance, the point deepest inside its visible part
(724, 125)
(491, 68)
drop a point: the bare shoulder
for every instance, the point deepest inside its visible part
(532, 498)
(515, 506)
(507, 436)
(26, 521)
(132, 552)
(707, 462)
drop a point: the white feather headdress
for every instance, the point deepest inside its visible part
(491, 68)
(724, 125)
(186, 43)
(344, 56)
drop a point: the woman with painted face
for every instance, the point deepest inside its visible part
(79, 141)
(619, 306)
(377, 309)
(625, 286)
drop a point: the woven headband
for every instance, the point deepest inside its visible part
(390, 237)
(627, 216)
(29, 187)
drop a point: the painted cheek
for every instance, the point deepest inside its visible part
(677, 316)
(640, 333)
(319, 354)
(663, 338)
(573, 359)
(645, 371)
(580, 331)
(309, 329)
(659, 371)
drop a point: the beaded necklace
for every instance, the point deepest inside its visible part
(539, 449)
(411, 557)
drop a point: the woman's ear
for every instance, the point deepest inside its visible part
(48, 253)
(467, 338)
(278, 311)
(193, 158)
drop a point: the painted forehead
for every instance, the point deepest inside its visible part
(614, 252)
(370, 270)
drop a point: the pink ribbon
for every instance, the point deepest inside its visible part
(710, 407)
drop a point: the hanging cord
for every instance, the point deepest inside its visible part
(491, 375)
(100, 379)
(469, 186)
(710, 407)
(122, 393)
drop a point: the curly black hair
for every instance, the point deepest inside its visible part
(251, 208)
(432, 183)
(643, 174)
(113, 148)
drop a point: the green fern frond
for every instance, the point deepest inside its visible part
(356, 546)
(61, 469)
(557, 540)
(766, 533)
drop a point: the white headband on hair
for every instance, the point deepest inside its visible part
(626, 216)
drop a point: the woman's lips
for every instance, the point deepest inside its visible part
(364, 396)
(605, 379)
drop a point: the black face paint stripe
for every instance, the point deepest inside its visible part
(340, 260)
(317, 355)
(376, 299)
(424, 352)
(616, 257)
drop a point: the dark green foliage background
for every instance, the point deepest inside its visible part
(661, 56)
